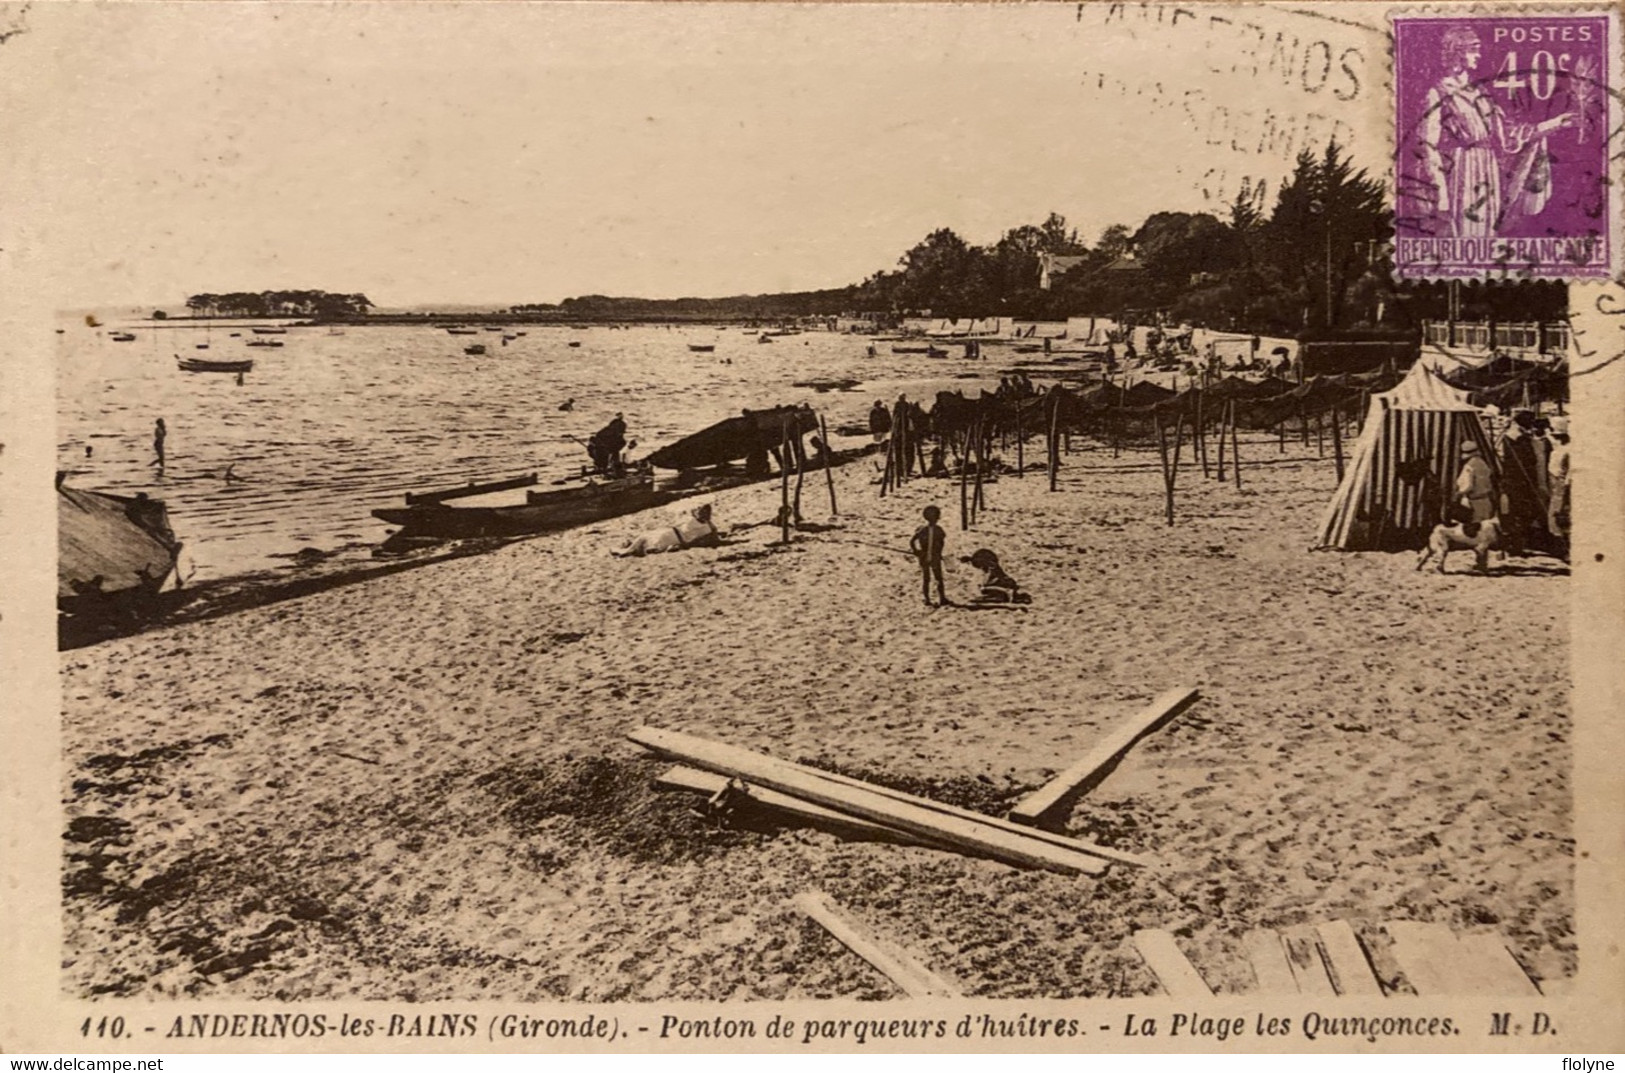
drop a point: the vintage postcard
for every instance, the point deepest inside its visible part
(654, 528)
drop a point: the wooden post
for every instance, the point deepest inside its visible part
(1021, 440)
(979, 435)
(1201, 431)
(801, 472)
(829, 461)
(1235, 446)
(1054, 438)
(1280, 430)
(1320, 433)
(1224, 429)
(964, 479)
(1337, 442)
(1162, 457)
(784, 482)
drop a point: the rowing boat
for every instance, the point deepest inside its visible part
(113, 552)
(541, 512)
(204, 365)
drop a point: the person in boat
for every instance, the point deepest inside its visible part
(159, 435)
(606, 445)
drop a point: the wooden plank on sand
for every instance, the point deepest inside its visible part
(711, 784)
(1427, 955)
(1490, 969)
(1346, 958)
(1098, 763)
(1162, 955)
(911, 977)
(965, 835)
(1267, 954)
(1303, 955)
(1065, 842)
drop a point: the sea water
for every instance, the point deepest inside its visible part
(329, 427)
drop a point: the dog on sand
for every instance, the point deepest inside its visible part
(1480, 537)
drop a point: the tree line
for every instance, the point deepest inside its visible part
(319, 304)
(1318, 259)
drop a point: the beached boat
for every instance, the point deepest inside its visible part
(270, 331)
(702, 348)
(205, 365)
(752, 433)
(432, 516)
(910, 349)
(114, 553)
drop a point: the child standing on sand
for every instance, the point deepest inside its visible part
(927, 546)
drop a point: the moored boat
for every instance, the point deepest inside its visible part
(475, 350)
(205, 365)
(114, 553)
(270, 331)
(702, 348)
(265, 342)
(542, 512)
(123, 337)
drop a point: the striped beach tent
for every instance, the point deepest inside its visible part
(1402, 476)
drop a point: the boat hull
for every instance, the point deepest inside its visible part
(199, 365)
(543, 512)
(111, 549)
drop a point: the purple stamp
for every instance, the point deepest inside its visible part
(1503, 128)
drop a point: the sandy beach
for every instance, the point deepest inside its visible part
(419, 788)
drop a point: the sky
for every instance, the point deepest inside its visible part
(505, 153)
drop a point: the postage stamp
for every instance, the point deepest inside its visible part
(1503, 122)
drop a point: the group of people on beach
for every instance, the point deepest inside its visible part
(1528, 490)
(929, 545)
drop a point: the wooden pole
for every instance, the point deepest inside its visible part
(1162, 456)
(801, 472)
(977, 502)
(1320, 433)
(784, 483)
(1235, 446)
(1173, 469)
(1021, 440)
(1337, 442)
(1201, 432)
(829, 461)
(964, 479)
(1224, 421)
(1054, 439)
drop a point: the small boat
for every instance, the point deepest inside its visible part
(114, 553)
(475, 350)
(203, 346)
(702, 348)
(493, 327)
(265, 342)
(270, 331)
(335, 331)
(462, 331)
(935, 352)
(542, 512)
(205, 365)
(574, 342)
(765, 337)
(910, 349)
(519, 333)
(123, 337)
(752, 433)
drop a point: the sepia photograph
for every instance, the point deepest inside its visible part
(603, 526)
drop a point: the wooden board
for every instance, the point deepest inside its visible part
(1064, 841)
(1490, 969)
(1162, 955)
(1098, 762)
(1267, 954)
(911, 977)
(914, 816)
(1351, 969)
(1303, 956)
(710, 784)
(1428, 956)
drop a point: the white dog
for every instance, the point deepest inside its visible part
(1484, 536)
(696, 530)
